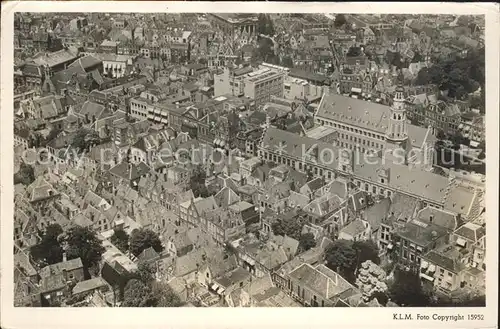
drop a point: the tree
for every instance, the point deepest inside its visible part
(265, 52)
(120, 239)
(142, 290)
(82, 242)
(406, 290)
(25, 175)
(340, 256)
(265, 25)
(291, 227)
(49, 250)
(366, 251)
(307, 241)
(142, 239)
(197, 183)
(164, 296)
(137, 294)
(84, 138)
(53, 133)
(371, 280)
(459, 76)
(287, 62)
(340, 20)
(440, 134)
(345, 256)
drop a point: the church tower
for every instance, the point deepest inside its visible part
(397, 130)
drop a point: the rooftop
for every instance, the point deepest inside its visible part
(447, 257)
(320, 279)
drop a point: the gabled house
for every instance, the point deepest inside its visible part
(316, 286)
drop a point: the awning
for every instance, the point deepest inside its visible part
(460, 126)
(427, 277)
(222, 143)
(461, 242)
(157, 111)
(157, 118)
(215, 286)
(390, 246)
(220, 290)
(424, 264)
(474, 144)
(432, 268)
(164, 120)
(356, 90)
(150, 116)
(248, 259)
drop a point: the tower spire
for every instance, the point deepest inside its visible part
(397, 130)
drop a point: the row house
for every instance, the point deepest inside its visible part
(430, 229)
(357, 83)
(316, 286)
(260, 258)
(223, 225)
(457, 266)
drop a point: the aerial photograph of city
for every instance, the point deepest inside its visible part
(249, 160)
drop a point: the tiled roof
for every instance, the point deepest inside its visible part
(422, 233)
(40, 189)
(181, 240)
(30, 69)
(471, 231)
(371, 116)
(460, 199)
(447, 257)
(315, 184)
(53, 282)
(337, 188)
(322, 280)
(91, 109)
(55, 58)
(323, 205)
(424, 184)
(354, 228)
(375, 214)
(68, 265)
(130, 171)
(89, 285)
(403, 206)
(235, 276)
(439, 217)
(190, 262)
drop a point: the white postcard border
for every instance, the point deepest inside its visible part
(222, 318)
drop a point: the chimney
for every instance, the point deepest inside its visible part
(64, 257)
(431, 217)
